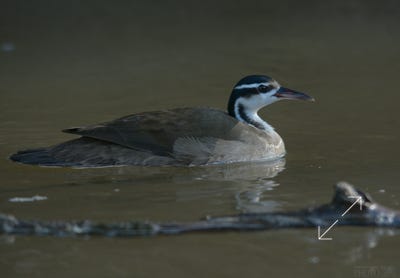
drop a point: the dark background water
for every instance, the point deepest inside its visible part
(68, 63)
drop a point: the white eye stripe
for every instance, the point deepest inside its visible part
(253, 85)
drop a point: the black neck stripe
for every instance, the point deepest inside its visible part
(236, 94)
(247, 119)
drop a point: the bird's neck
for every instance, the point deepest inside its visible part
(249, 116)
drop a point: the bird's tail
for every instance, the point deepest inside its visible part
(41, 156)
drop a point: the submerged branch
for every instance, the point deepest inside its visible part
(371, 214)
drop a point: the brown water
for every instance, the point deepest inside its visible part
(65, 63)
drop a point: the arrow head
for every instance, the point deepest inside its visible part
(321, 237)
(359, 199)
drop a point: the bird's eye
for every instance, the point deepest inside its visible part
(264, 89)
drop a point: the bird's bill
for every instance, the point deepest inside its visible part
(285, 93)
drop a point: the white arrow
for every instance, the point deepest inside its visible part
(321, 237)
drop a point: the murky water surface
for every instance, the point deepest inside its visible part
(68, 63)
